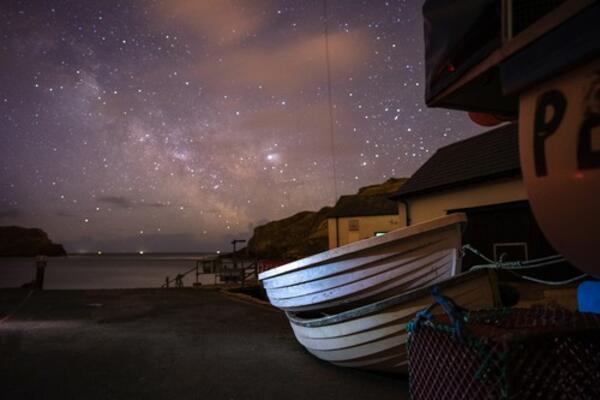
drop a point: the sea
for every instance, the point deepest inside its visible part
(110, 271)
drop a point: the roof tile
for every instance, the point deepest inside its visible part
(356, 205)
(489, 155)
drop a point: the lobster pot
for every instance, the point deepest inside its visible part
(537, 353)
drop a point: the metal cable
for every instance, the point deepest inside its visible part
(330, 99)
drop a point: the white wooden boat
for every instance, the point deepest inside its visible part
(374, 336)
(370, 269)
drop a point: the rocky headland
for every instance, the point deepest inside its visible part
(305, 233)
(16, 241)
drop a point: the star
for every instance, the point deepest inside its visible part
(219, 120)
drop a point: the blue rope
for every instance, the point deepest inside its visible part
(453, 311)
(420, 317)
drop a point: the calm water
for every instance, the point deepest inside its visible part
(102, 272)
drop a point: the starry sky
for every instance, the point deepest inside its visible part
(177, 125)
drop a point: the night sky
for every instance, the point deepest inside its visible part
(178, 125)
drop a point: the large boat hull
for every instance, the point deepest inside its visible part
(368, 270)
(374, 336)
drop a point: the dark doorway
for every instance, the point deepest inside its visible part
(509, 230)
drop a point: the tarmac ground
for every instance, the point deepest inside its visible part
(164, 344)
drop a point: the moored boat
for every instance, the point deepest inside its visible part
(370, 269)
(374, 336)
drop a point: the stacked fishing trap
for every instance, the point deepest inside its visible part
(538, 353)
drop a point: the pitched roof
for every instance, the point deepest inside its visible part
(491, 155)
(364, 206)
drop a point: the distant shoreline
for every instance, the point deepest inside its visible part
(161, 255)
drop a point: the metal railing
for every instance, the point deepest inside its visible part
(226, 270)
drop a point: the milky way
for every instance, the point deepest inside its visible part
(179, 125)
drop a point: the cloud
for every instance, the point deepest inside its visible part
(290, 66)
(125, 202)
(154, 205)
(118, 201)
(223, 22)
(10, 213)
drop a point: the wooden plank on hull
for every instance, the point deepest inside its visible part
(356, 325)
(394, 277)
(395, 235)
(407, 248)
(336, 343)
(360, 351)
(375, 336)
(375, 292)
(396, 261)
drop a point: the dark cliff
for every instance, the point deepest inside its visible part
(305, 233)
(293, 237)
(16, 241)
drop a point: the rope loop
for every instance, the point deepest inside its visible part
(455, 313)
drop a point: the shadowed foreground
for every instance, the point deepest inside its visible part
(124, 344)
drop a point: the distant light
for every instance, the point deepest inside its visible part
(141, 252)
(99, 253)
(218, 251)
(86, 220)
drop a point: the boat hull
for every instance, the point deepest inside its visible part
(374, 336)
(370, 269)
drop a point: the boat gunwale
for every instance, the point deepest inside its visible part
(376, 241)
(380, 305)
(422, 275)
(401, 272)
(342, 271)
